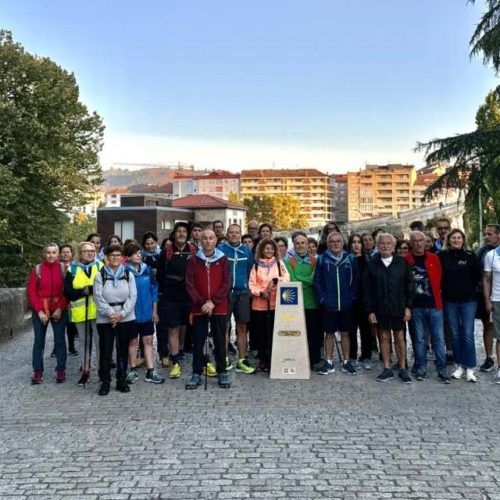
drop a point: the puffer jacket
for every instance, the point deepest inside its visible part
(336, 281)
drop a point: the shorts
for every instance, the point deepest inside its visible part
(239, 305)
(145, 329)
(495, 312)
(174, 314)
(394, 323)
(341, 321)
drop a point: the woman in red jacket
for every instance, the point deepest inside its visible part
(46, 297)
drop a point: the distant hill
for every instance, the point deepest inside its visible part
(156, 176)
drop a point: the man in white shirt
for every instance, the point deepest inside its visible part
(491, 286)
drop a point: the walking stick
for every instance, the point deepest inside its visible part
(206, 351)
(85, 341)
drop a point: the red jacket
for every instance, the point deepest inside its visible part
(208, 279)
(46, 288)
(433, 266)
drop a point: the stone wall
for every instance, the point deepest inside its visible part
(13, 312)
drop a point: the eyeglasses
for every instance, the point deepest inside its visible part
(88, 251)
(115, 255)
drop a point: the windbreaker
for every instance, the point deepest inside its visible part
(240, 262)
(147, 292)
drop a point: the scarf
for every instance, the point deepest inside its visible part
(86, 268)
(218, 254)
(136, 272)
(306, 258)
(154, 253)
(115, 275)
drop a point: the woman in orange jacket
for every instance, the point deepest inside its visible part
(264, 277)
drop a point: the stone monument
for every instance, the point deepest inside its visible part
(290, 356)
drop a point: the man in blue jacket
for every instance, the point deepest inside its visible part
(336, 284)
(240, 261)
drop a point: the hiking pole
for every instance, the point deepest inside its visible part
(206, 352)
(85, 339)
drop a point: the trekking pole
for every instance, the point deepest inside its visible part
(85, 341)
(206, 354)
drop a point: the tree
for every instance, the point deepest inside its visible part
(282, 211)
(233, 197)
(49, 147)
(475, 156)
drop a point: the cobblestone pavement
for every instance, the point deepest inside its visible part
(338, 436)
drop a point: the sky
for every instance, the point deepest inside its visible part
(330, 84)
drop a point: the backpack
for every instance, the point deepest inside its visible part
(256, 264)
(293, 262)
(104, 276)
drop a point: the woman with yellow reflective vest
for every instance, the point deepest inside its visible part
(78, 288)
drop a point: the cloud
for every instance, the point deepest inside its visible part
(235, 156)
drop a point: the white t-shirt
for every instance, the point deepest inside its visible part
(386, 260)
(492, 265)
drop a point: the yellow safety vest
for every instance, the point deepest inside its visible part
(80, 280)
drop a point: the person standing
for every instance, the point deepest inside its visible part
(150, 250)
(79, 289)
(461, 272)
(115, 295)
(336, 285)
(218, 227)
(427, 313)
(301, 266)
(443, 226)
(491, 286)
(48, 305)
(387, 298)
(491, 236)
(240, 262)
(208, 281)
(66, 258)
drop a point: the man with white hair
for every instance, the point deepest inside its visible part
(387, 298)
(427, 313)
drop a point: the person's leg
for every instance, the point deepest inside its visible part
(124, 332)
(132, 353)
(40, 331)
(366, 338)
(200, 332)
(71, 334)
(418, 319)
(400, 345)
(59, 329)
(147, 342)
(162, 333)
(94, 350)
(453, 318)
(345, 344)
(436, 329)
(488, 337)
(173, 343)
(468, 314)
(218, 329)
(312, 327)
(106, 336)
(241, 340)
(384, 340)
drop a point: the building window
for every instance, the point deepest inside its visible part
(125, 229)
(166, 224)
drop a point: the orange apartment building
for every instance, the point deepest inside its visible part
(312, 187)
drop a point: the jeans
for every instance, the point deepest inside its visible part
(59, 329)
(460, 317)
(433, 320)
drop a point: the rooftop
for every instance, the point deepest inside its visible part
(217, 174)
(195, 201)
(284, 172)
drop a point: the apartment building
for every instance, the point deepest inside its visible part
(339, 197)
(380, 190)
(312, 187)
(217, 183)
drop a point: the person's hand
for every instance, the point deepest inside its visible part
(85, 290)
(156, 318)
(57, 314)
(264, 295)
(43, 317)
(372, 319)
(115, 317)
(207, 307)
(407, 315)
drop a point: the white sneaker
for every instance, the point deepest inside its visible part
(497, 378)
(469, 375)
(458, 373)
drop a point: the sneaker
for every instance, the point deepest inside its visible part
(122, 386)
(497, 378)
(165, 362)
(84, 379)
(488, 365)
(104, 389)
(243, 366)
(175, 371)
(132, 376)
(349, 367)
(194, 382)
(404, 377)
(420, 375)
(229, 365)
(74, 352)
(386, 375)
(60, 376)
(444, 378)
(458, 373)
(153, 377)
(327, 368)
(209, 370)
(469, 375)
(223, 381)
(367, 364)
(37, 378)
(230, 348)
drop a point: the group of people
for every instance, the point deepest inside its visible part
(201, 282)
